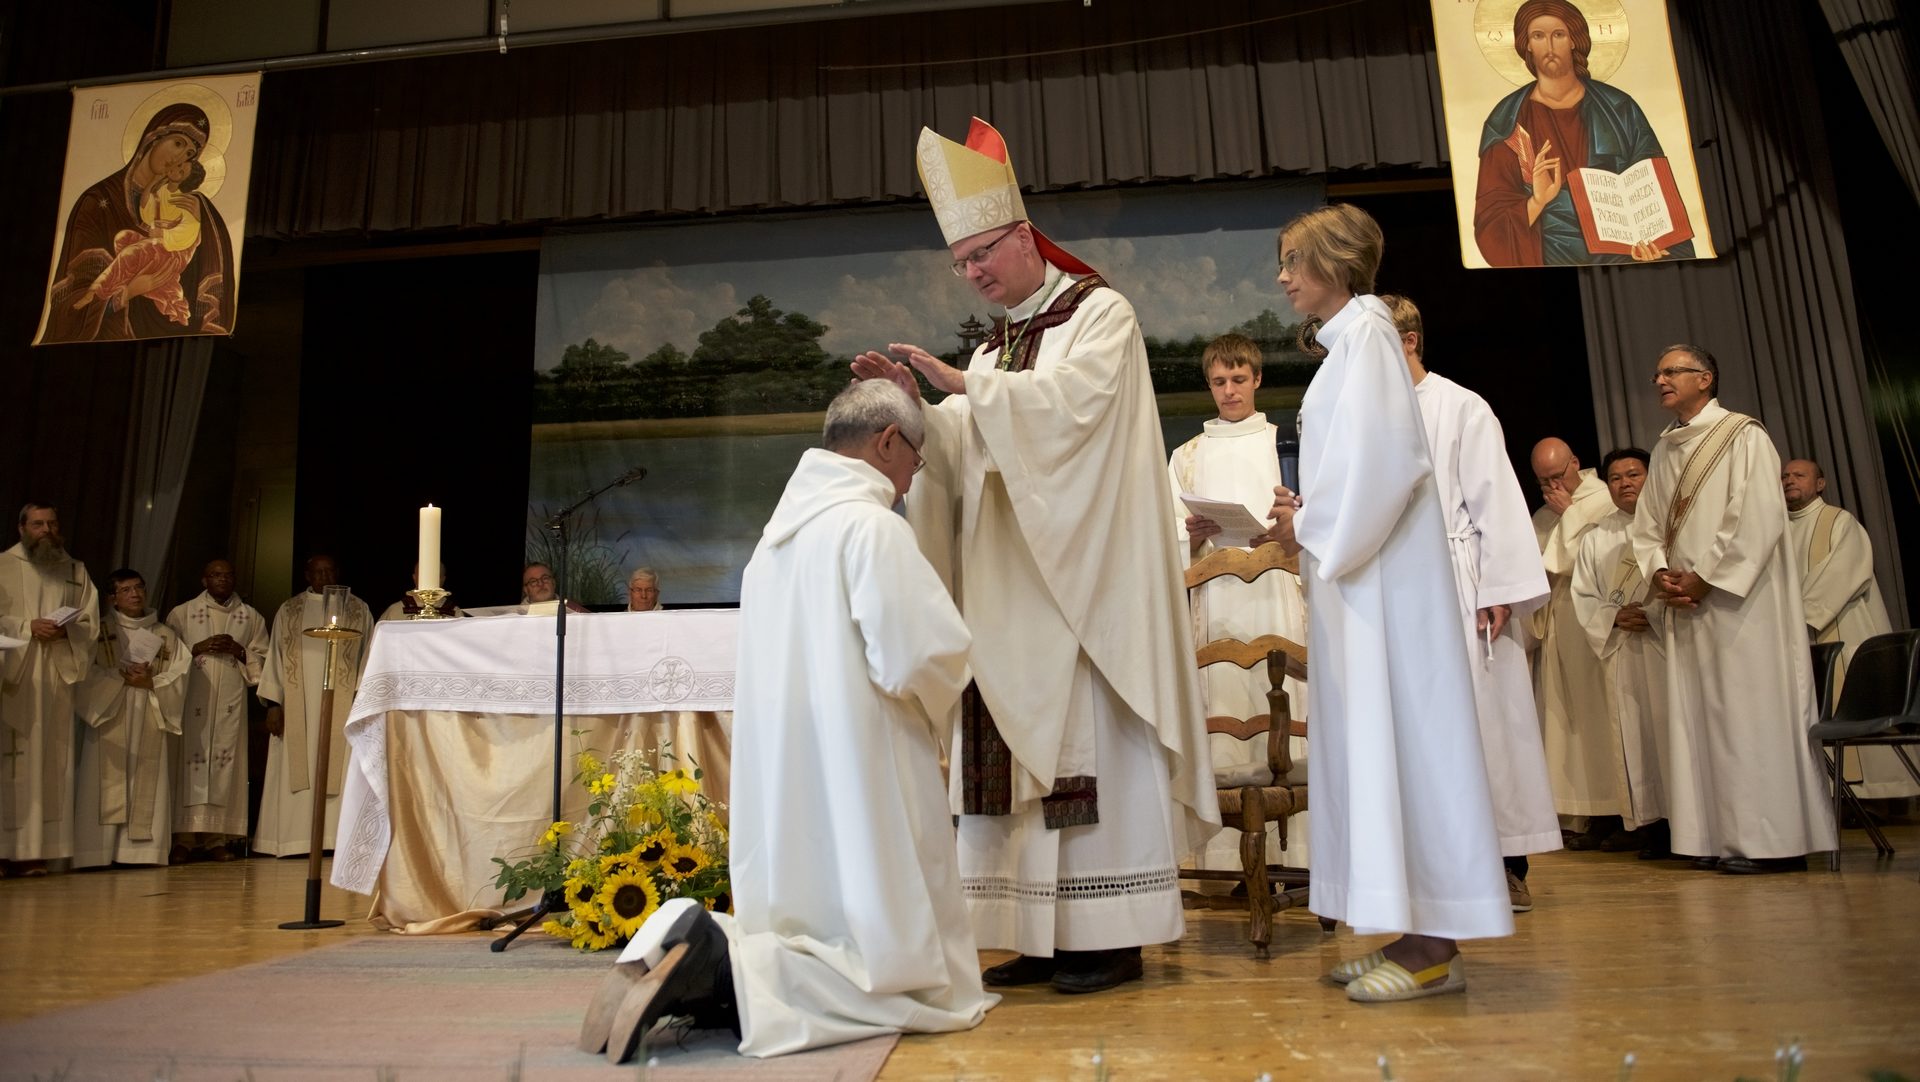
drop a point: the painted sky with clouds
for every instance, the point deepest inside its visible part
(1193, 259)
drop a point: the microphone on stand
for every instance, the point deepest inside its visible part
(1289, 451)
(631, 476)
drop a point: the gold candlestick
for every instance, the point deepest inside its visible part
(429, 602)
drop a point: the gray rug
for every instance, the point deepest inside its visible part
(386, 1008)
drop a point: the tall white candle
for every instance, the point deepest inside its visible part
(429, 548)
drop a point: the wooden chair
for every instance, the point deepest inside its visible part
(1270, 795)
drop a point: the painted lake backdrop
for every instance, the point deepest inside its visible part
(707, 352)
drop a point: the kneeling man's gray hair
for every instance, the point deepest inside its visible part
(867, 407)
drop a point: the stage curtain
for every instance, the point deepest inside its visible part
(1870, 38)
(790, 116)
(1777, 309)
(171, 377)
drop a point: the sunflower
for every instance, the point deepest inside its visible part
(557, 929)
(655, 847)
(719, 903)
(628, 899)
(614, 863)
(591, 935)
(580, 896)
(679, 782)
(683, 861)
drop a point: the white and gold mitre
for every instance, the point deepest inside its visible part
(973, 190)
(971, 185)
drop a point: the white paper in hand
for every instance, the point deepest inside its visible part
(63, 615)
(142, 646)
(1238, 526)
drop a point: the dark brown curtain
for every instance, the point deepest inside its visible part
(794, 116)
(1777, 308)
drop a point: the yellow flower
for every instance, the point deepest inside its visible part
(628, 899)
(601, 785)
(556, 832)
(591, 935)
(614, 863)
(640, 817)
(683, 861)
(679, 782)
(580, 896)
(655, 847)
(588, 764)
(556, 929)
(719, 903)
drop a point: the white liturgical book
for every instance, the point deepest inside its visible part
(1237, 524)
(142, 646)
(63, 615)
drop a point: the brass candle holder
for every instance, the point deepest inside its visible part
(429, 602)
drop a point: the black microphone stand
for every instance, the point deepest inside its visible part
(555, 900)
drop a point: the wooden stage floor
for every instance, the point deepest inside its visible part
(1699, 975)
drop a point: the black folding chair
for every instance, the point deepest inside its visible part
(1879, 707)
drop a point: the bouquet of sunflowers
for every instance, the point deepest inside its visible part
(649, 836)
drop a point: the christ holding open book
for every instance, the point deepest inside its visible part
(1571, 171)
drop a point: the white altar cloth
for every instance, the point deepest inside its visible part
(677, 663)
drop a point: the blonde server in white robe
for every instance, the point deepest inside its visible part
(131, 704)
(38, 579)
(291, 683)
(1235, 457)
(1843, 603)
(1500, 580)
(1403, 827)
(1623, 621)
(1743, 791)
(848, 920)
(1081, 772)
(228, 640)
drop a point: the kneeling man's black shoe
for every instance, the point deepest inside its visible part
(1762, 865)
(694, 978)
(1095, 971)
(1022, 969)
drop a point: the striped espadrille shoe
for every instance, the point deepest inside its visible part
(1348, 972)
(1389, 982)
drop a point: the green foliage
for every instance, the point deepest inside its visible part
(758, 360)
(596, 571)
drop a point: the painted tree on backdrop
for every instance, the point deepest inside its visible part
(758, 360)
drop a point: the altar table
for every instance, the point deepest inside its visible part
(451, 742)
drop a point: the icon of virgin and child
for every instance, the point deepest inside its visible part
(145, 253)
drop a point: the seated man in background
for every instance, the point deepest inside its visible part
(409, 605)
(537, 586)
(643, 591)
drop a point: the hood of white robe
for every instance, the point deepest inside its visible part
(824, 479)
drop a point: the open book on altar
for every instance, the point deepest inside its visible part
(1639, 204)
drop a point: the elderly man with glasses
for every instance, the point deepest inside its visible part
(1710, 534)
(1082, 773)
